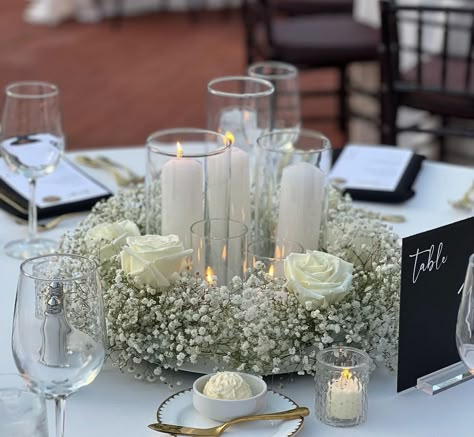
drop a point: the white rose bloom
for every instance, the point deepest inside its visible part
(318, 277)
(154, 258)
(112, 235)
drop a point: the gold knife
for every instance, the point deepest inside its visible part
(218, 430)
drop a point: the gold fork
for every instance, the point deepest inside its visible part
(218, 430)
(107, 165)
(466, 202)
(47, 226)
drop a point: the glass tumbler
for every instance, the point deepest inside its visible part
(22, 412)
(342, 377)
(219, 249)
(272, 253)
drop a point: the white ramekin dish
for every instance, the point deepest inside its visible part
(223, 409)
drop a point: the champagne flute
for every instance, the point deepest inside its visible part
(58, 337)
(31, 142)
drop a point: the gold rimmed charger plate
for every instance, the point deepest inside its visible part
(178, 410)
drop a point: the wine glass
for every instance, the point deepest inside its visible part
(286, 108)
(58, 337)
(465, 322)
(31, 142)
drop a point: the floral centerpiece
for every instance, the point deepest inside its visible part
(160, 315)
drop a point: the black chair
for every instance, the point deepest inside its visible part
(441, 82)
(310, 42)
(305, 7)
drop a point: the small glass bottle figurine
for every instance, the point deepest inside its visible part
(56, 329)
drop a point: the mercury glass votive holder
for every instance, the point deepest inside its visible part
(272, 253)
(291, 187)
(342, 377)
(187, 180)
(219, 250)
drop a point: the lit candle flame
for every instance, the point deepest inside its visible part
(246, 115)
(224, 253)
(209, 275)
(346, 374)
(230, 137)
(271, 270)
(278, 252)
(179, 150)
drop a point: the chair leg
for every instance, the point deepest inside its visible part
(343, 107)
(442, 139)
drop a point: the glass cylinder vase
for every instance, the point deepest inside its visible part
(219, 249)
(272, 253)
(285, 100)
(187, 180)
(342, 377)
(291, 187)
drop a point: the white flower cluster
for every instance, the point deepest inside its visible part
(256, 325)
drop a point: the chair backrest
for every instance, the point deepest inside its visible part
(257, 17)
(428, 48)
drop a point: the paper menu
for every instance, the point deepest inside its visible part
(66, 184)
(375, 168)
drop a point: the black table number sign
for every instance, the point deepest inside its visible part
(433, 269)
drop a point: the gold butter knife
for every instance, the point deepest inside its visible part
(218, 430)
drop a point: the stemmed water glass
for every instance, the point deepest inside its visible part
(58, 337)
(31, 142)
(286, 107)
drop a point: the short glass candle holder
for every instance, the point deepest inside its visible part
(272, 253)
(187, 180)
(342, 377)
(219, 249)
(291, 187)
(22, 412)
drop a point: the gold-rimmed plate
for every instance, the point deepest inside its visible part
(178, 410)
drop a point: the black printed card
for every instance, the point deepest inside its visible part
(433, 269)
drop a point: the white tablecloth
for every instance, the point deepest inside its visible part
(116, 405)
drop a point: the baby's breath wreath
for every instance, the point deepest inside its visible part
(257, 325)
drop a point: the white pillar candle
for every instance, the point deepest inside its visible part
(240, 186)
(301, 203)
(181, 197)
(344, 399)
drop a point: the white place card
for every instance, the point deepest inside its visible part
(375, 168)
(66, 184)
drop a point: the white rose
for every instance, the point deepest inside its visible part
(111, 237)
(318, 277)
(154, 258)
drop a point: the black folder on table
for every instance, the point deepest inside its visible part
(402, 189)
(68, 189)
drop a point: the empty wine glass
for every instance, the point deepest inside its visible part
(31, 142)
(286, 108)
(465, 322)
(58, 337)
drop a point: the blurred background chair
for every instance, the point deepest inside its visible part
(311, 35)
(429, 68)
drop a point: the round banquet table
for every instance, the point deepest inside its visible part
(117, 405)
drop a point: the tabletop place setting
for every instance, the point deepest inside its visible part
(247, 258)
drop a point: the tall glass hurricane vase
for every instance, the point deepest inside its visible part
(285, 100)
(31, 142)
(240, 108)
(58, 337)
(187, 180)
(291, 187)
(465, 322)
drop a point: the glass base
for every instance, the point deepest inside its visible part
(24, 249)
(443, 379)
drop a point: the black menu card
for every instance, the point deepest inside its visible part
(433, 269)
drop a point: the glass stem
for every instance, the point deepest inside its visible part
(32, 213)
(60, 404)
